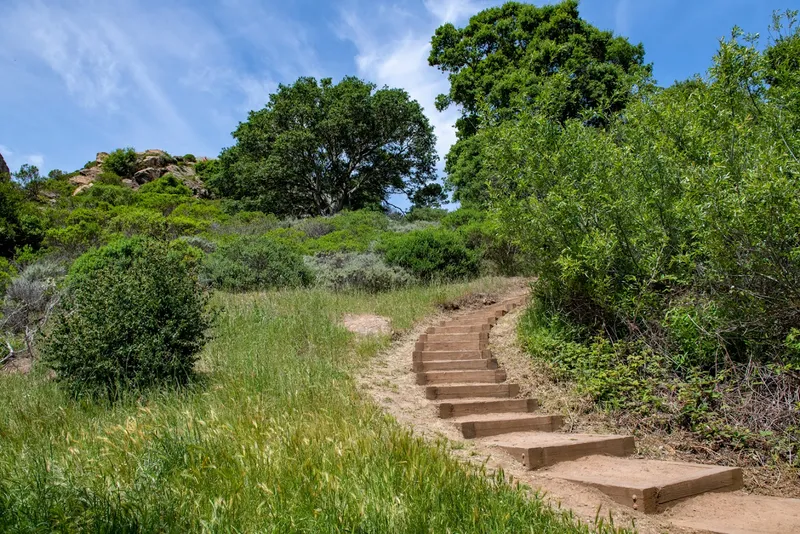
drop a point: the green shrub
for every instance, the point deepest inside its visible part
(102, 195)
(190, 158)
(7, 272)
(82, 230)
(121, 162)
(131, 221)
(253, 263)
(178, 225)
(132, 316)
(108, 178)
(248, 223)
(361, 272)
(432, 254)
(201, 209)
(425, 214)
(168, 185)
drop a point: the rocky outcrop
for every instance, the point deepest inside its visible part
(150, 165)
(5, 173)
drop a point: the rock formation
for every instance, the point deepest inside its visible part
(150, 165)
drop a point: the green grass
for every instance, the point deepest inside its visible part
(276, 438)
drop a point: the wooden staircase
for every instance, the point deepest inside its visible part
(453, 362)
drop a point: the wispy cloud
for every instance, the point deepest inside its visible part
(392, 49)
(15, 160)
(622, 17)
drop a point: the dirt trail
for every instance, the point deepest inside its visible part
(389, 380)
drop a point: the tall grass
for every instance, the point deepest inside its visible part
(275, 439)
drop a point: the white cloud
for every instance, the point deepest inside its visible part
(454, 10)
(15, 160)
(392, 49)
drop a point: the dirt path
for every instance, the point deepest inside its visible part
(392, 385)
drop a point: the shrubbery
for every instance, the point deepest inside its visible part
(432, 254)
(671, 236)
(132, 316)
(121, 162)
(255, 263)
(363, 272)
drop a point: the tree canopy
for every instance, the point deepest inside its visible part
(545, 58)
(318, 148)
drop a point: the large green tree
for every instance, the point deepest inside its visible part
(545, 58)
(318, 148)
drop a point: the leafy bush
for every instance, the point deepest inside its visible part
(168, 185)
(102, 195)
(315, 227)
(432, 254)
(121, 162)
(425, 214)
(362, 272)
(108, 178)
(7, 272)
(132, 316)
(253, 263)
(190, 158)
(31, 294)
(670, 236)
(248, 223)
(131, 221)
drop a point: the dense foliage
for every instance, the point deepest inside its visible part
(432, 254)
(666, 244)
(132, 315)
(253, 263)
(318, 148)
(547, 58)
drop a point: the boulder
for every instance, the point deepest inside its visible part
(148, 175)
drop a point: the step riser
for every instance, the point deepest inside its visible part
(472, 391)
(468, 322)
(448, 410)
(451, 330)
(455, 365)
(481, 429)
(452, 346)
(454, 338)
(461, 377)
(450, 355)
(538, 457)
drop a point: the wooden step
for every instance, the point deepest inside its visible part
(492, 376)
(471, 321)
(439, 355)
(466, 391)
(455, 365)
(735, 513)
(450, 338)
(480, 406)
(452, 345)
(458, 329)
(479, 426)
(540, 449)
(647, 485)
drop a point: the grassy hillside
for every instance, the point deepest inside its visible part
(275, 438)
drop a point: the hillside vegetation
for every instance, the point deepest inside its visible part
(665, 236)
(171, 355)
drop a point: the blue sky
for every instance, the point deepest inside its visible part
(82, 76)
